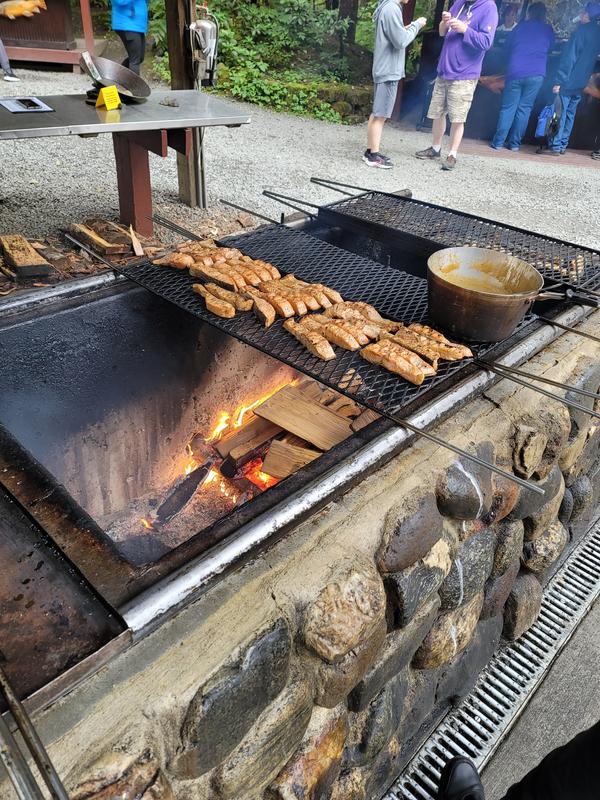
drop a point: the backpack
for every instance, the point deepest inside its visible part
(549, 119)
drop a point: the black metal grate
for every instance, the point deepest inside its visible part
(425, 227)
(395, 294)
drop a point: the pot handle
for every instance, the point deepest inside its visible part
(569, 294)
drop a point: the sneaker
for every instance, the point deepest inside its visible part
(496, 146)
(596, 155)
(376, 160)
(429, 153)
(514, 149)
(10, 77)
(449, 163)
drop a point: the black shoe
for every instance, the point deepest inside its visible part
(377, 160)
(460, 781)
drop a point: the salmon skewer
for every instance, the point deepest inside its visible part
(314, 342)
(332, 332)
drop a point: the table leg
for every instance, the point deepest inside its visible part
(133, 179)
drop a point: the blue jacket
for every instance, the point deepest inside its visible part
(579, 58)
(130, 15)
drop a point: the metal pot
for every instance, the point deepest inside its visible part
(481, 295)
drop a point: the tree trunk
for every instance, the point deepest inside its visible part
(349, 11)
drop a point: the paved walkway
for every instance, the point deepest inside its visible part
(567, 702)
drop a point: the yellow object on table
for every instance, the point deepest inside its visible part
(108, 98)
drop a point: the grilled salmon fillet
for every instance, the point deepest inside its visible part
(314, 342)
(238, 301)
(279, 303)
(392, 347)
(454, 351)
(376, 353)
(421, 345)
(263, 310)
(213, 303)
(354, 330)
(332, 332)
(213, 275)
(177, 260)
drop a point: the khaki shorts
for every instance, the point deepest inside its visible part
(453, 98)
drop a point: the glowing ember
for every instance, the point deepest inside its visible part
(253, 472)
(147, 523)
(211, 477)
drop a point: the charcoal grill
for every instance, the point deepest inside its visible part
(422, 228)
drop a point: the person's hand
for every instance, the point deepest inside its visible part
(458, 26)
(556, 89)
(446, 17)
(421, 22)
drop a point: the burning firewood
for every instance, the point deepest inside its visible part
(283, 459)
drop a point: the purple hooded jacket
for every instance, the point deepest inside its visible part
(462, 54)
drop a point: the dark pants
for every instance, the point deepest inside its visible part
(569, 108)
(571, 772)
(135, 44)
(518, 98)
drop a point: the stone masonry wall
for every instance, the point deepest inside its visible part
(306, 675)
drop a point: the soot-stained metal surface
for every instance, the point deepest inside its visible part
(50, 618)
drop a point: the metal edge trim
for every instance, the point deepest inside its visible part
(189, 581)
(30, 299)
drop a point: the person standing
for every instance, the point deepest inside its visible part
(9, 75)
(528, 45)
(130, 23)
(468, 30)
(574, 71)
(392, 38)
(509, 19)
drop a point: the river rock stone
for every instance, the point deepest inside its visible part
(522, 607)
(419, 702)
(384, 769)
(373, 728)
(265, 749)
(459, 677)
(528, 451)
(344, 614)
(335, 681)
(537, 523)
(410, 589)
(315, 766)
(122, 776)
(351, 785)
(505, 498)
(530, 502)
(498, 588)
(565, 512)
(544, 550)
(409, 533)
(465, 490)
(450, 634)
(469, 571)
(509, 545)
(398, 651)
(582, 492)
(160, 790)
(224, 709)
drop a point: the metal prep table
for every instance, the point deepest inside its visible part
(137, 129)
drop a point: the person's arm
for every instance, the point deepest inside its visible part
(396, 32)
(444, 26)
(568, 60)
(482, 36)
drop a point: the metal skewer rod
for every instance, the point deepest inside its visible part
(94, 254)
(329, 184)
(549, 321)
(464, 454)
(531, 376)
(35, 747)
(292, 202)
(538, 389)
(173, 226)
(247, 211)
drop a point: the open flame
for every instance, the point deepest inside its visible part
(253, 472)
(147, 523)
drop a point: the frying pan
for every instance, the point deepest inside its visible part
(105, 72)
(482, 295)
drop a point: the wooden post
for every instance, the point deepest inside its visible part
(88, 26)
(180, 13)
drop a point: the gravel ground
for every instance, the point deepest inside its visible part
(47, 183)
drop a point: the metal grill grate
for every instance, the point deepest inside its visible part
(425, 227)
(477, 726)
(396, 294)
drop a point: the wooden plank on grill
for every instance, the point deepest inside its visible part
(23, 258)
(97, 242)
(308, 419)
(344, 407)
(252, 431)
(366, 418)
(284, 459)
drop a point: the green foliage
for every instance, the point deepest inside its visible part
(158, 24)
